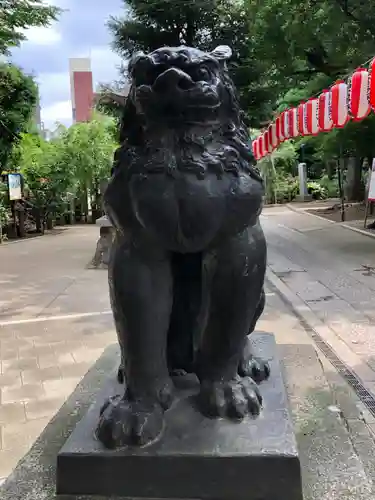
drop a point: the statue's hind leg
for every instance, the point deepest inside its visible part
(236, 286)
(250, 365)
(141, 296)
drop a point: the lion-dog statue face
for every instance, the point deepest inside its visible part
(188, 261)
(181, 85)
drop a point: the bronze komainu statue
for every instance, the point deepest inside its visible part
(188, 263)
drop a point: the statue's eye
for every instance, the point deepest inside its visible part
(203, 73)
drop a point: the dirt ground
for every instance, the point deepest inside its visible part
(352, 212)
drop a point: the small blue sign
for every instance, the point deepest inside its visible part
(15, 186)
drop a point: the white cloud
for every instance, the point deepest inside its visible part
(63, 4)
(56, 84)
(79, 32)
(58, 112)
(42, 36)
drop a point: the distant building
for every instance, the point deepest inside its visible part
(81, 85)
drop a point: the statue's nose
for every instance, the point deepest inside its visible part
(173, 79)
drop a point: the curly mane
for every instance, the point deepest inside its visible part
(222, 147)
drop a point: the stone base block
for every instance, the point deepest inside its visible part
(196, 458)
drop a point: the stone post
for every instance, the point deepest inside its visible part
(302, 177)
(104, 244)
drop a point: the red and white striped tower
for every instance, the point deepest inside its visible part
(81, 86)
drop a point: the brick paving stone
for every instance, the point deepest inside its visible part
(11, 379)
(87, 354)
(19, 364)
(48, 360)
(22, 435)
(76, 370)
(12, 413)
(96, 341)
(43, 350)
(27, 351)
(43, 408)
(26, 392)
(16, 343)
(40, 374)
(69, 346)
(63, 387)
(9, 353)
(10, 458)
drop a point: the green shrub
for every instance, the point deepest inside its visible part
(316, 190)
(285, 158)
(4, 205)
(286, 188)
(330, 185)
(280, 186)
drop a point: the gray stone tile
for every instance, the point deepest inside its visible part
(25, 392)
(12, 413)
(22, 435)
(39, 375)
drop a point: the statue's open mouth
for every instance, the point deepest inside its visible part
(175, 90)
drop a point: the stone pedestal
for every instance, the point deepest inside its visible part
(196, 458)
(104, 244)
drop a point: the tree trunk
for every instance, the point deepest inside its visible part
(49, 222)
(330, 167)
(39, 222)
(95, 203)
(353, 185)
(84, 204)
(21, 223)
(71, 211)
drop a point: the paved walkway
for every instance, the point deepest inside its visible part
(55, 322)
(331, 270)
(47, 275)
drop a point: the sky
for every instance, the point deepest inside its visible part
(80, 32)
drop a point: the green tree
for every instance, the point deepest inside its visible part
(306, 47)
(73, 163)
(18, 92)
(88, 148)
(47, 177)
(4, 208)
(205, 24)
(18, 95)
(303, 39)
(18, 15)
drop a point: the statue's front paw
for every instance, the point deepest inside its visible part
(128, 423)
(256, 368)
(233, 399)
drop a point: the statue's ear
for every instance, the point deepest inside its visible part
(222, 53)
(135, 58)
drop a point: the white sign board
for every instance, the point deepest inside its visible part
(15, 187)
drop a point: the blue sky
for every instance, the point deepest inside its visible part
(80, 32)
